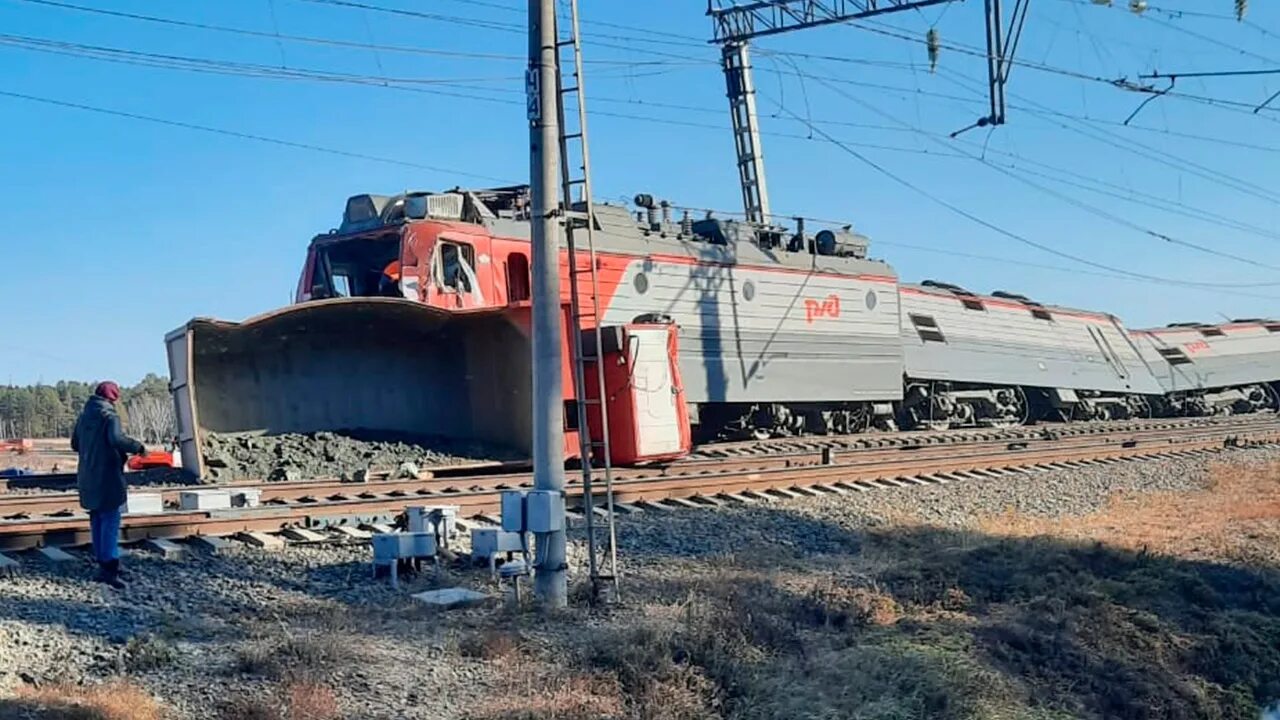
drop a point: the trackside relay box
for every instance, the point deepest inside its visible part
(536, 511)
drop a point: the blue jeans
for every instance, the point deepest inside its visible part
(104, 528)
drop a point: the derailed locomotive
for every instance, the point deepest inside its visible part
(718, 327)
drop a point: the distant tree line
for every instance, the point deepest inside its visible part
(50, 411)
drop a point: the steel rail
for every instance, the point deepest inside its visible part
(431, 488)
(835, 477)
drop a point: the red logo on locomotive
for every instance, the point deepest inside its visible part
(1197, 346)
(813, 309)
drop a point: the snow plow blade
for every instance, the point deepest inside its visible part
(356, 365)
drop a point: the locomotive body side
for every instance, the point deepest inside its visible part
(982, 339)
(1212, 356)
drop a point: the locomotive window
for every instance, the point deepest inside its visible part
(1175, 356)
(517, 277)
(1041, 314)
(1273, 327)
(972, 303)
(927, 328)
(1212, 332)
(456, 261)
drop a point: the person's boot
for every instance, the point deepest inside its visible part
(124, 575)
(109, 574)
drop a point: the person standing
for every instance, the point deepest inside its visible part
(103, 449)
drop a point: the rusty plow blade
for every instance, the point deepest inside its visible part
(366, 366)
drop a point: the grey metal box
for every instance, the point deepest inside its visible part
(418, 544)
(419, 517)
(544, 511)
(391, 546)
(386, 547)
(513, 510)
(248, 497)
(140, 503)
(486, 542)
(204, 499)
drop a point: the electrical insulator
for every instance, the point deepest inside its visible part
(1242, 6)
(934, 45)
(1137, 7)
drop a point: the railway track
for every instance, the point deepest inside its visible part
(734, 473)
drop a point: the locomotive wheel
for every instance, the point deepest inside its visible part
(1273, 402)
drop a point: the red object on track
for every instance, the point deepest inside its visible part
(155, 459)
(20, 446)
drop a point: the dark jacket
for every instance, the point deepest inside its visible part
(103, 449)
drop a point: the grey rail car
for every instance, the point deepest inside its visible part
(778, 334)
(1004, 359)
(1215, 369)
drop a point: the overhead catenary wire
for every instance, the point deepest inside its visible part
(1128, 145)
(184, 63)
(307, 39)
(973, 217)
(1120, 83)
(653, 119)
(248, 136)
(1087, 207)
(811, 220)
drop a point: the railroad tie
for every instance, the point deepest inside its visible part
(166, 549)
(261, 540)
(55, 555)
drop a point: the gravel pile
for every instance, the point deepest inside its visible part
(293, 456)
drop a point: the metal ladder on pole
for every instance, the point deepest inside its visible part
(587, 346)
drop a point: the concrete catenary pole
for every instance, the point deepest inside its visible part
(550, 581)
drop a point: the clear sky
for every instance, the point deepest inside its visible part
(118, 229)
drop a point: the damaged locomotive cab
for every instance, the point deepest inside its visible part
(367, 366)
(357, 267)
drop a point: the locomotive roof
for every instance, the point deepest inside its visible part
(998, 298)
(1203, 328)
(503, 213)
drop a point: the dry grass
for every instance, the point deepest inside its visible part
(110, 701)
(1237, 518)
(295, 701)
(309, 655)
(147, 652)
(493, 645)
(558, 697)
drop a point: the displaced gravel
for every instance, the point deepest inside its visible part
(203, 630)
(293, 456)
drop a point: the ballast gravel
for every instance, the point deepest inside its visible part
(296, 456)
(386, 656)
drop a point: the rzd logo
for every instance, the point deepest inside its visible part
(814, 309)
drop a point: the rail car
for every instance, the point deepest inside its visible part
(1204, 369)
(416, 311)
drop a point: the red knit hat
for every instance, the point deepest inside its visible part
(108, 391)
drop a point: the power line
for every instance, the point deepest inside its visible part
(247, 136)
(266, 35)
(455, 19)
(1215, 73)
(1121, 83)
(974, 256)
(1008, 233)
(1134, 147)
(217, 66)
(225, 67)
(306, 39)
(1093, 209)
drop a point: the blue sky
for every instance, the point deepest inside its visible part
(119, 229)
